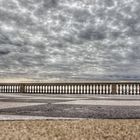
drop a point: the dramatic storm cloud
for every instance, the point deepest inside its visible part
(70, 39)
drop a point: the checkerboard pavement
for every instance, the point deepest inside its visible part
(48, 106)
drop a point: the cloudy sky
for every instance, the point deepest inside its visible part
(70, 39)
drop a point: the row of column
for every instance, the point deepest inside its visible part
(57, 89)
(126, 89)
(9, 89)
(69, 89)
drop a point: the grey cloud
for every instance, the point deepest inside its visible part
(4, 39)
(81, 15)
(115, 34)
(70, 39)
(4, 52)
(50, 3)
(109, 3)
(91, 34)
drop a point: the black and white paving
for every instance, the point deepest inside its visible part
(47, 106)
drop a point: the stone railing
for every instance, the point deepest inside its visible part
(119, 88)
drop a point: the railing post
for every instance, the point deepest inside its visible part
(113, 89)
(22, 88)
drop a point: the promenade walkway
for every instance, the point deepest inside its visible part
(15, 106)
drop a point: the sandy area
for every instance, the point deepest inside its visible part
(70, 130)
